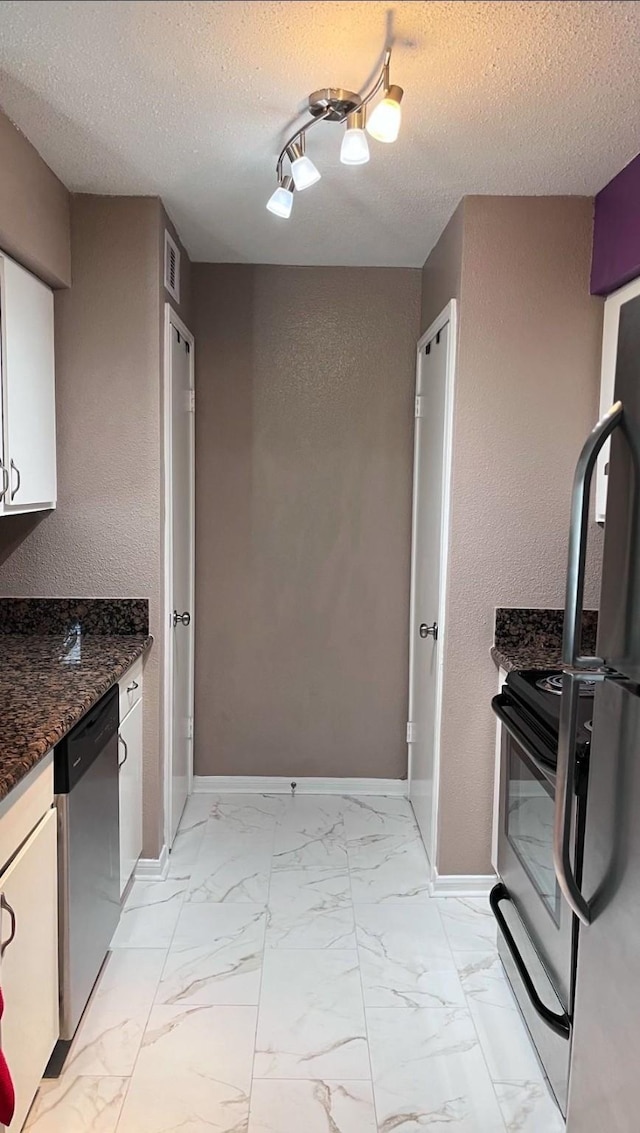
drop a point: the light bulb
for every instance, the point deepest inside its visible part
(280, 202)
(355, 147)
(304, 172)
(384, 123)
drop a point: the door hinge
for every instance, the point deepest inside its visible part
(191, 401)
(189, 727)
(421, 406)
(411, 732)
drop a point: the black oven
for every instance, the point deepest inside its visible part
(537, 936)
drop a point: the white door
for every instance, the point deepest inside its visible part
(430, 524)
(28, 382)
(181, 537)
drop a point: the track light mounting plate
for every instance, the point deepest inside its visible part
(333, 104)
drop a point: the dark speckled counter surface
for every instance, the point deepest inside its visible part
(532, 638)
(48, 682)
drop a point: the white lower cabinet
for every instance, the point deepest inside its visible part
(130, 780)
(29, 1027)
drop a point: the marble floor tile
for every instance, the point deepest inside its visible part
(527, 1107)
(232, 868)
(428, 1072)
(307, 842)
(389, 869)
(405, 957)
(186, 845)
(310, 908)
(110, 1032)
(77, 1105)
(244, 814)
(313, 1106)
(503, 1036)
(311, 1020)
(313, 814)
(468, 922)
(215, 956)
(375, 815)
(149, 916)
(193, 1072)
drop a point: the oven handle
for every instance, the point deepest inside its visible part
(497, 705)
(560, 1024)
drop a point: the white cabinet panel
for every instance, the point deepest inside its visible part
(130, 781)
(28, 389)
(607, 381)
(30, 964)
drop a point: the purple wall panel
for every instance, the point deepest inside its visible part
(616, 232)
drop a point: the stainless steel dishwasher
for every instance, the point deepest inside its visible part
(86, 790)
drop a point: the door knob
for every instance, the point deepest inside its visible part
(184, 618)
(429, 631)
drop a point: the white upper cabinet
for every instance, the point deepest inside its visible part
(608, 380)
(28, 473)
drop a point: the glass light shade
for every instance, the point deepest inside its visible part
(304, 172)
(280, 202)
(384, 123)
(355, 147)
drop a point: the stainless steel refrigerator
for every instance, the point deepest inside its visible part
(604, 1084)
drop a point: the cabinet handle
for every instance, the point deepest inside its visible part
(133, 686)
(126, 751)
(5, 482)
(4, 904)
(14, 468)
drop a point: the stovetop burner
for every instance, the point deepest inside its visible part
(535, 694)
(553, 683)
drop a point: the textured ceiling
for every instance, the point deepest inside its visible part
(191, 100)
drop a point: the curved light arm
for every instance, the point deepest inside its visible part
(294, 137)
(381, 81)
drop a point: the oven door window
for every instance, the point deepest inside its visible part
(529, 824)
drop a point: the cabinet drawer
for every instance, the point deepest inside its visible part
(29, 1026)
(24, 806)
(130, 688)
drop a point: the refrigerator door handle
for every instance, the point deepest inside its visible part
(578, 539)
(565, 790)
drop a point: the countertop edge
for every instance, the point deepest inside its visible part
(527, 658)
(40, 746)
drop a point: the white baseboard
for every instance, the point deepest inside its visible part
(280, 785)
(153, 869)
(461, 885)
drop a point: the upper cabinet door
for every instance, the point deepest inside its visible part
(28, 389)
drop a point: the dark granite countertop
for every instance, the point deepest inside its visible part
(43, 696)
(527, 638)
(50, 676)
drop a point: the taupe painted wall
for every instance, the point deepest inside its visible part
(34, 209)
(105, 536)
(442, 273)
(305, 382)
(527, 394)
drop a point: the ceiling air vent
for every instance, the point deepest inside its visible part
(171, 267)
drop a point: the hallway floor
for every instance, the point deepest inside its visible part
(292, 975)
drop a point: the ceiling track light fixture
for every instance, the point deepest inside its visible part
(334, 104)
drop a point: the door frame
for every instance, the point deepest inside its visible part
(172, 319)
(448, 315)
